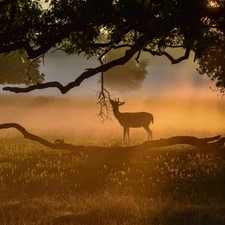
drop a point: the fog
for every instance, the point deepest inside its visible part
(177, 96)
(163, 79)
(76, 121)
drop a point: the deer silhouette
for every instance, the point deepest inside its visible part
(132, 119)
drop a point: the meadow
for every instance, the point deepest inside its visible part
(161, 186)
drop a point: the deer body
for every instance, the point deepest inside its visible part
(132, 119)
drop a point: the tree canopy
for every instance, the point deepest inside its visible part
(95, 27)
(17, 69)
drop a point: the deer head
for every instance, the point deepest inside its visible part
(116, 103)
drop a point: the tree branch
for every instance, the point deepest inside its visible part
(216, 141)
(157, 53)
(42, 48)
(33, 137)
(170, 57)
(53, 84)
(89, 73)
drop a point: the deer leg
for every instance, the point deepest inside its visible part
(128, 133)
(124, 133)
(149, 132)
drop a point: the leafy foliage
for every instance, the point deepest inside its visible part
(97, 27)
(16, 69)
(212, 63)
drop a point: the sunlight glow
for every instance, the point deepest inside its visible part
(44, 4)
(213, 4)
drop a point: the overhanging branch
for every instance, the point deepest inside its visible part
(89, 73)
(53, 84)
(169, 56)
(42, 48)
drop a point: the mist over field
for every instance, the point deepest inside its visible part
(75, 119)
(162, 80)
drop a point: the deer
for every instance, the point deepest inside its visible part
(132, 119)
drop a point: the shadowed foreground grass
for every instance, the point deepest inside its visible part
(173, 185)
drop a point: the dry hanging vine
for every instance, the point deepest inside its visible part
(103, 94)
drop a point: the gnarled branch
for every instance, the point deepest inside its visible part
(33, 137)
(216, 141)
(89, 73)
(34, 53)
(169, 56)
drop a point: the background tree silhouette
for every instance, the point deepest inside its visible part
(17, 69)
(128, 77)
(212, 63)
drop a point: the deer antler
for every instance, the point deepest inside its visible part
(120, 103)
(117, 100)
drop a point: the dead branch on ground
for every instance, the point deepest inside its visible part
(216, 141)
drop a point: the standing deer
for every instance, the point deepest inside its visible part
(132, 119)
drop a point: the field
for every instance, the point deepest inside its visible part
(171, 185)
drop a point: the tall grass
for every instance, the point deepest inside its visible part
(174, 185)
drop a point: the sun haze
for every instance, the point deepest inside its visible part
(75, 119)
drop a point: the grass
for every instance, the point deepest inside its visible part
(173, 185)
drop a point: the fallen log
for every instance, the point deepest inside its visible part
(189, 140)
(215, 141)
